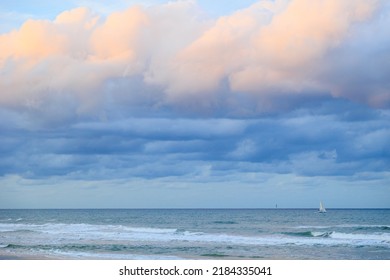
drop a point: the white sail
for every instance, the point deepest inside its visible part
(322, 208)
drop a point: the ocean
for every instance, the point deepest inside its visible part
(156, 234)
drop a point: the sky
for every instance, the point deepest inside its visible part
(194, 104)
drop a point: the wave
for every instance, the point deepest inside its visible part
(351, 226)
(80, 228)
(310, 234)
(84, 252)
(341, 238)
(384, 237)
(225, 222)
(54, 234)
(108, 256)
(6, 220)
(105, 256)
(13, 246)
(376, 227)
(216, 255)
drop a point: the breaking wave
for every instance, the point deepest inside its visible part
(52, 233)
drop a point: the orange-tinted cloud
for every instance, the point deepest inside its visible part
(260, 52)
(270, 47)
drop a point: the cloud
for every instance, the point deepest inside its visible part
(278, 94)
(264, 53)
(246, 148)
(303, 153)
(270, 48)
(79, 54)
(302, 143)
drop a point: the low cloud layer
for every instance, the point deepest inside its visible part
(301, 143)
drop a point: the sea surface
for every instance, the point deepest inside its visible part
(156, 234)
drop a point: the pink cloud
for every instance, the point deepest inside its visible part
(270, 47)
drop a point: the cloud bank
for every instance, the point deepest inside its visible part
(281, 102)
(174, 55)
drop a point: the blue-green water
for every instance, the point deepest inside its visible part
(196, 234)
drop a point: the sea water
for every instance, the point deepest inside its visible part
(196, 234)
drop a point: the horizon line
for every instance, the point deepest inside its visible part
(206, 208)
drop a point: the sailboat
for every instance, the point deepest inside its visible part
(322, 208)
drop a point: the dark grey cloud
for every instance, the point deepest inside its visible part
(335, 138)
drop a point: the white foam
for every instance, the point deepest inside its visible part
(12, 227)
(315, 227)
(52, 233)
(380, 237)
(107, 256)
(322, 234)
(342, 226)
